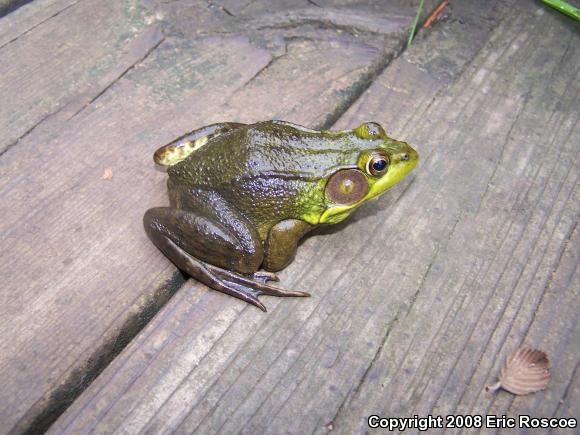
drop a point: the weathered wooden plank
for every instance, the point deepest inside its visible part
(417, 301)
(77, 232)
(485, 287)
(122, 33)
(79, 276)
(552, 326)
(43, 69)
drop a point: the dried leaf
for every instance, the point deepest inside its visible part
(525, 371)
(108, 174)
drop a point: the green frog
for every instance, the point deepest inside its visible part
(243, 195)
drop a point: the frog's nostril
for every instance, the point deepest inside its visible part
(405, 157)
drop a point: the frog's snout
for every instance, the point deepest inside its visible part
(408, 156)
(412, 155)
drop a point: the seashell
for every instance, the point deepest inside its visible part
(525, 371)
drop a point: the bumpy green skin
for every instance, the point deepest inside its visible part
(243, 195)
(273, 170)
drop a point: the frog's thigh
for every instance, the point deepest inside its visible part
(282, 242)
(204, 238)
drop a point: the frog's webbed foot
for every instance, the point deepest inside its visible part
(245, 288)
(249, 288)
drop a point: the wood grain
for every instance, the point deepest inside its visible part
(416, 301)
(79, 277)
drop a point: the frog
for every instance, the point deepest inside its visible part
(242, 196)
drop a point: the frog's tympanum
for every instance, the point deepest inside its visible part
(242, 196)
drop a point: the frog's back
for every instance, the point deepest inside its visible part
(271, 149)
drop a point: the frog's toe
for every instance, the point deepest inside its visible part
(266, 289)
(245, 293)
(264, 276)
(270, 290)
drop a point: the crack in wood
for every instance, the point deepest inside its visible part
(312, 2)
(356, 390)
(358, 88)
(30, 130)
(40, 23)
(567, 390)
(46, 410)
(120, 76)
(408, 305)
(261, 70)
(549, 281)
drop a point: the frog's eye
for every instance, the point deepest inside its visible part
(347, 186)
(370, 130)
(377, 164)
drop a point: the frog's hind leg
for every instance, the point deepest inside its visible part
(180, 148)
(193, 242)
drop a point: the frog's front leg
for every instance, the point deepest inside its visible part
(282, 242)
(220, 252)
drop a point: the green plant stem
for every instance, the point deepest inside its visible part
(414, 25)
(564, 7)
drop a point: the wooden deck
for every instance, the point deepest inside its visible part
(416, 300)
